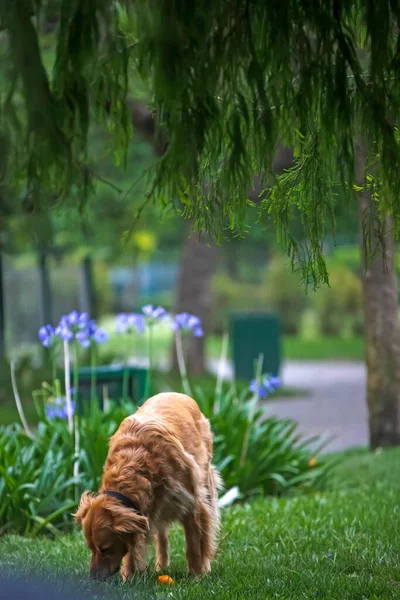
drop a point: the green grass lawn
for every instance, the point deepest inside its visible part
(343, 544)
(323, 348)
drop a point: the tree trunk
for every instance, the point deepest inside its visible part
(45, 305)
(2, 316)
(87, 289)
(193, 294)
(382, 329)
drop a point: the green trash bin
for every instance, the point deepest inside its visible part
(112, 378)
(253, 334)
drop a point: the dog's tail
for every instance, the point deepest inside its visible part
(214, 486)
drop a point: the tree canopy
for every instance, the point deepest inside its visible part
(228, 81)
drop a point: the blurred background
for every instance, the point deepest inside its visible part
(107, 260)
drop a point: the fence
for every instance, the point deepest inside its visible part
(117, 289)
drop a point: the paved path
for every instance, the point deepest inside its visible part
(335, 403)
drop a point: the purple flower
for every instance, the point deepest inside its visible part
(258, 388)
(83, 339)
(137, 321)
(57, 409)
(91, 334)
(91, 328)
(64, 332)
(70, 325)
(73, 318)
(268, 385)
(271, 383)
(100, 336)
(121, 323)
(124, 323)
(74, 325)
(154, 314)
(187, 323)
(47, 335)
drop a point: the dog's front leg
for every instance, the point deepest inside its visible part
(135, 560)
(193, 544)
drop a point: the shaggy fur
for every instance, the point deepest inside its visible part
(160, 458)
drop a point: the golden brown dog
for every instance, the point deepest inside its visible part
(158, 470)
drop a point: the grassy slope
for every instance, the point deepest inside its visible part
(341, 544)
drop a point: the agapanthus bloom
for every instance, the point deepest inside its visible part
(47, 335)
(70, 325)
(91, 334)
(77, 326)
(154, 314)
(187, 323)
(125, 323)
(57, 409)
(267, 385)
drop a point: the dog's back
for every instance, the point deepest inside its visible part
(174, 419)
(182, 417)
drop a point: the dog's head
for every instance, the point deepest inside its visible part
(110, 529)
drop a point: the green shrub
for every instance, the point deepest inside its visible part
(339, 307)
(283, 292)
(37, 487)
(230, 295)
(38, 491)
(42, 476)
(279, 291)
(260, 455)
(346, 257)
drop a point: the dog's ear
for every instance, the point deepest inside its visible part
(126, 520)
(84, 505)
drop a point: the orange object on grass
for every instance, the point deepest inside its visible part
(165, 579)
(312, 462)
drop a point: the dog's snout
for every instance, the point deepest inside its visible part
(98, 574)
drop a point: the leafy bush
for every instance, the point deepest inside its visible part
(38, 491)
(231, 295)
(260, 455)
(339, 307)
(42, 474)
(346, 257)
(37, 487)
(282, 291)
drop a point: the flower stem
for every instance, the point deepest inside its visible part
(125, 379)
(150, 367)
(182, 364)
(93, 374)
(76, 374)
(220, 375)
(253, 405)
(19, 403)
(125, 374)
(67, 367)
(77, 440)
(76, 461)
(53, 365)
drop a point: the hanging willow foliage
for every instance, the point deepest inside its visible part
(229, 80)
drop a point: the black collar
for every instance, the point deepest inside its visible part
(124, 500)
